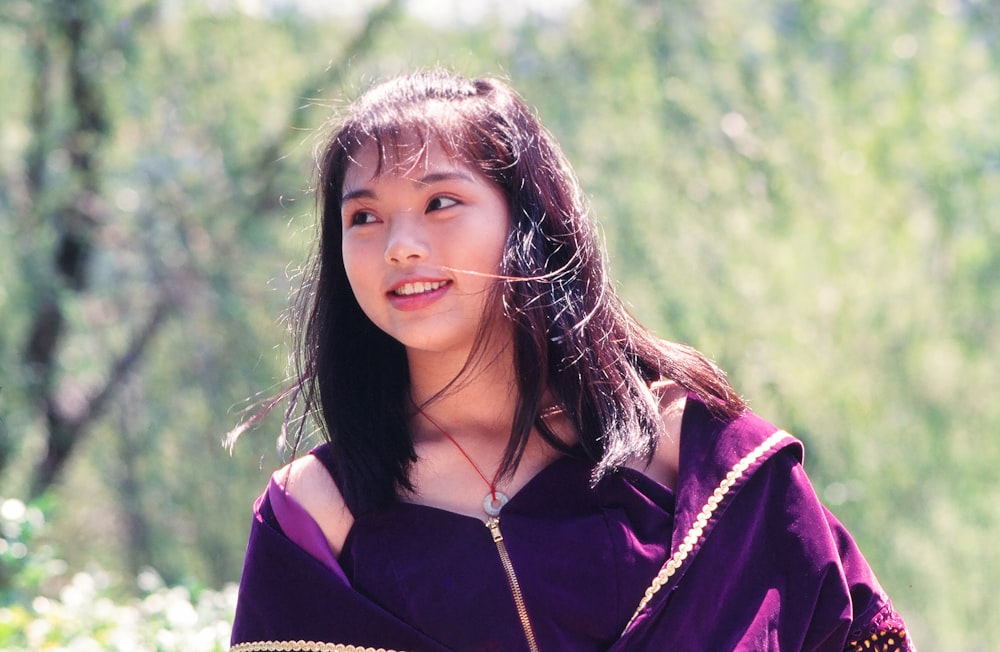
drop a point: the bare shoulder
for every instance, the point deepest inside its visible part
(308, 482)
(672, 399)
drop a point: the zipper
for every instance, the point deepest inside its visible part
(493, 523)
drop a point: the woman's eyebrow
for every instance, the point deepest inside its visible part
(361, 193)
(447, 175)
(426, 180)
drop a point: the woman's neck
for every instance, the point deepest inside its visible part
(478, 396)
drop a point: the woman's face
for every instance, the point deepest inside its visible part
(422, 244)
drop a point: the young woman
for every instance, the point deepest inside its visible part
(512, 462)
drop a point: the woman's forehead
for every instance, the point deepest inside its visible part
(406, 155)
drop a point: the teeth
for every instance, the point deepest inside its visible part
(417, 288)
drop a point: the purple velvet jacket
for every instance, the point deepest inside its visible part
(753, 562)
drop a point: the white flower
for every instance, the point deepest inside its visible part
(12, 509)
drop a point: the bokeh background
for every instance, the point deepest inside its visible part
(806, 190)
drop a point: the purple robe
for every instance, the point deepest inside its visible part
(742, 557)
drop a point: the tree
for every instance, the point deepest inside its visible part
(135, 247)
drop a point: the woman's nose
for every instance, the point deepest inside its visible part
(407, 242)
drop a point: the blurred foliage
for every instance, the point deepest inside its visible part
(86, 612)
(809, 192)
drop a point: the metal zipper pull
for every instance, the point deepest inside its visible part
(493, 523)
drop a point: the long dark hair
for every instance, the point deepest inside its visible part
(572, 335)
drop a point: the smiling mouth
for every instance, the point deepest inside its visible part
(420, 287)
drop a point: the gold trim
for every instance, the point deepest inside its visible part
(302, 646)
(694, 535)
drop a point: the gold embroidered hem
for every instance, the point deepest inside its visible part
(694, 534)
(302, 646)
(887, 639)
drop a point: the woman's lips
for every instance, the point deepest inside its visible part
(418, 287)
(413, 295)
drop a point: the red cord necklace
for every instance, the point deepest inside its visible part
(494, 500)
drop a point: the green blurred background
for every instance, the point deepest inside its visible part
(806, 190)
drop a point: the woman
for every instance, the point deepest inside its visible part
(512, 462)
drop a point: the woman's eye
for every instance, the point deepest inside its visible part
(441, 202)
(362, 217)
